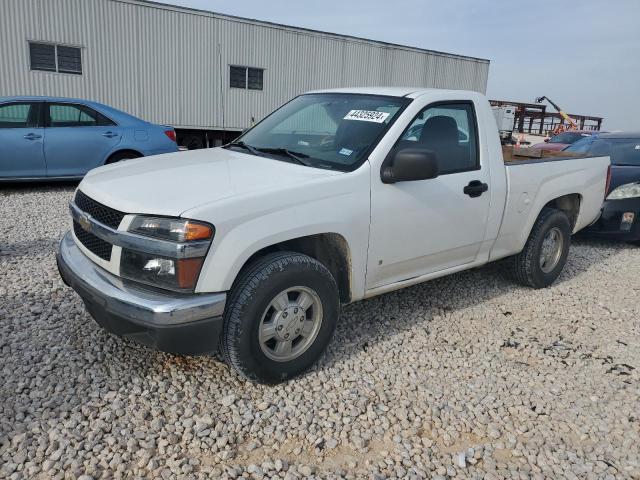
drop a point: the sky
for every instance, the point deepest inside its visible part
(584, 55)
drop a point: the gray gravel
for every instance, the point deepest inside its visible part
(467, 376)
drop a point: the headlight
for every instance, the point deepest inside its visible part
(170, 271)
(172, 229)
(629, 190)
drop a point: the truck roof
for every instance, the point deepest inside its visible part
(386, 91)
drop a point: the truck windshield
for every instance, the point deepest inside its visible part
(324, 130)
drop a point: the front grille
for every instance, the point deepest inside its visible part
(102, 213)
(94, 244)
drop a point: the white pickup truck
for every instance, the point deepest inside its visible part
(337, 196)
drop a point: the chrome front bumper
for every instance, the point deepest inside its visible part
(168, 321)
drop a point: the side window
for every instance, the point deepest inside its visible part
(18, 115)
(68, 115)
(449, 130)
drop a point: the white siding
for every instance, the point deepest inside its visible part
(162, 63)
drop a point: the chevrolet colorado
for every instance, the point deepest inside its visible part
(337, 196)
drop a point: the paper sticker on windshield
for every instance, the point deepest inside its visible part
(367, 116)
(345, 151)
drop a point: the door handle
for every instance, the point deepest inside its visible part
(475, 188)
(109, 134)
(32, 136)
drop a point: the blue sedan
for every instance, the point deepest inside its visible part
(61, 138)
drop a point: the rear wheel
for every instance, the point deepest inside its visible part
(192, 142)
(281, 315)
(545, 253)
(119, 156)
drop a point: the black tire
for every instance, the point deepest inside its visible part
(192, 142)
(525, 267)
(119, 156)
(251, 296)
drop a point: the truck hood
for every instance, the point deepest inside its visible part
(174, 183)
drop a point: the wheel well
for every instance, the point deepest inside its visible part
(126, 150)
(330, 249)
(569, 204)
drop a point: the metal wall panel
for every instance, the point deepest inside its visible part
(171, 65)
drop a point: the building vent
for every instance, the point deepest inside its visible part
(246, 77)
(55, 58)
(43, 56)
(69, 60)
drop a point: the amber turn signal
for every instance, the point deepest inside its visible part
(188, 270)
(197, 231)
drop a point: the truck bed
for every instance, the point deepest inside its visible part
(532, 181)
(519, 154)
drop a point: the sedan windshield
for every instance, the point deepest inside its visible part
(581, 146)
(324, 130)
(623, 151)
(568, 137)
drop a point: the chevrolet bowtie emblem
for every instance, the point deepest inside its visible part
(84, 222)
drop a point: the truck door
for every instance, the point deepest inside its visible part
(425, 226)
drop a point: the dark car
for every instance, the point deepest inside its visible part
(621, 208)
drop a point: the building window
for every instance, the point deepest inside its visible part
(55, 58)
(254, 78)
(238, 77)
(246, 77)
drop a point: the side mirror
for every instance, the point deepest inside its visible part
(409, 164)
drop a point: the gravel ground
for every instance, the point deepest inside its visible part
(467, 376)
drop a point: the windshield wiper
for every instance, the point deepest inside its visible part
(241, 144)
(297, 156)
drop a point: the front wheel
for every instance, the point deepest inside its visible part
(281, 315)
(545, 253)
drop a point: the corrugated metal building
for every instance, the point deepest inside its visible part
(175, 65)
